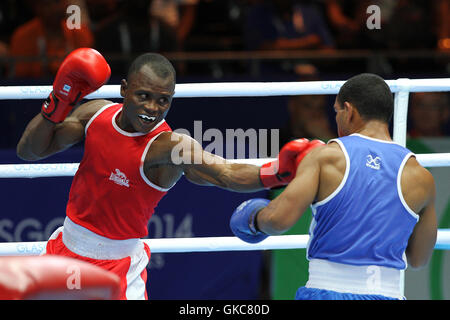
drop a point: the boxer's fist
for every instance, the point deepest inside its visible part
(242, 222)
(281, 171)
(83, 71)
(311, 145)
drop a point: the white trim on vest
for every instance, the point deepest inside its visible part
(344, 179)
(399, 186)
(141, 167)
(97, 114)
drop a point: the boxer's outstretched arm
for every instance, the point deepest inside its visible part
(230, 176)
(204, 168)
(43, 138)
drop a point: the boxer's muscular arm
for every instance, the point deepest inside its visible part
(209, 169)
(43, 138)
(186, 155)
(221, 173)
(83, 71)
(204, 168)
(419, 191)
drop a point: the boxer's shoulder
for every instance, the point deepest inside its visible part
(160, 149)
(84, 112)
(329, 153)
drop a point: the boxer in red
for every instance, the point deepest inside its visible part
(129, 162)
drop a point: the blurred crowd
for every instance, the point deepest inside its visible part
(35, 36)
(309, 117)
(38, 34)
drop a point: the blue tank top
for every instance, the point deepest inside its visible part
(365, 221)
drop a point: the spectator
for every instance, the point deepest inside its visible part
(141, 25)
(443, 24)
(13, 13)
(307, 119)
(429, 114)
(124, 29)
(121, 26)
(47, 37)
(114, 36)
(404, 24)
(286, 24)
(218, 26)
(348, 20)
(3, 57)
(171, 22)
(409, 26)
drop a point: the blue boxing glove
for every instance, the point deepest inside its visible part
(242, 222)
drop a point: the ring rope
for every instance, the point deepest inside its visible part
(201, 244)
(205, 244)
(39, 170)
(235, 89)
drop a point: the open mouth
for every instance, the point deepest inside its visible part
(147, 119)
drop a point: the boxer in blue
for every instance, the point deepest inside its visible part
(372, 203)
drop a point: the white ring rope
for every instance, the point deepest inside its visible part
(205, 244)
(401, 88)
(45, 170)
(235, 89)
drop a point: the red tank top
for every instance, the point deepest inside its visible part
(110, 195)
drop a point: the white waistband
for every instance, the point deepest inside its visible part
(88, 244)
(327, 275)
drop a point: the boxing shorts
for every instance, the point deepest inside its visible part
(126, 258)
(336, 281)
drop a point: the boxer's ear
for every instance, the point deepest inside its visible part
(123, 87)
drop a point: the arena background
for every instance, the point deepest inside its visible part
(217, 50)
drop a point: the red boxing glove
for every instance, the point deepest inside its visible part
(311, 145)
(281, 171)
(83, 71)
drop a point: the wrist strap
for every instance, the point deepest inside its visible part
(49, 106)
(253, 223)
(270, 177)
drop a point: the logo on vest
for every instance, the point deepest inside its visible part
(120, 178)
(373, 163)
